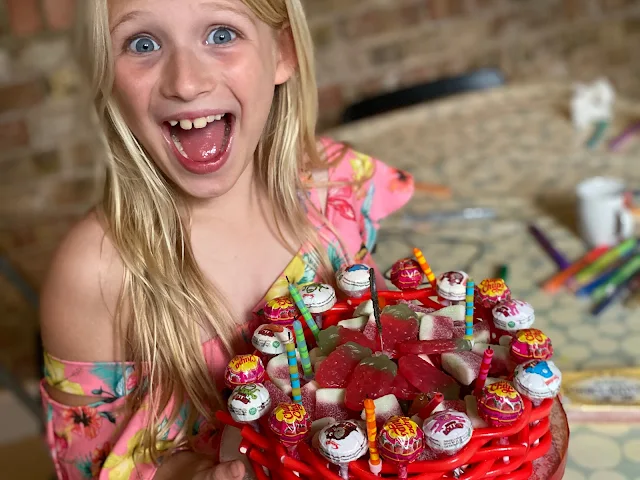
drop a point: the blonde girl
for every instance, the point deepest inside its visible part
(216, 185)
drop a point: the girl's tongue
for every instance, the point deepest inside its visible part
(203, 144)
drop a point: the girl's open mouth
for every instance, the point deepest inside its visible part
(201, 145)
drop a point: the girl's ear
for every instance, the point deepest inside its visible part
(287, 60)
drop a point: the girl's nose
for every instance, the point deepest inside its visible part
(186, 76)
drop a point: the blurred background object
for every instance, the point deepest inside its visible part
(51, 161)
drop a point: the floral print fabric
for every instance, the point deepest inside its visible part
(98, 441)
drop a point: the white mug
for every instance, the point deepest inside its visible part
(603, 217)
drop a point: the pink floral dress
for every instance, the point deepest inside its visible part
(96, 441)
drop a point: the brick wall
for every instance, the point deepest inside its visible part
(50, 164)
(368, 46)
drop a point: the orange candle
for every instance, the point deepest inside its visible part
(425, 266)
(375, 463)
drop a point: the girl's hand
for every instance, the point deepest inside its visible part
(224, 471)
(188, 465)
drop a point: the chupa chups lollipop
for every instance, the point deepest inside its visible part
(447, 432)
(318, 297)
(401, 441)
(531, 344)
(406, 274)
(537, 380)
(353, 280)
(265, 340)
(500, 404)
(452, 287)
(489, 293)
(244, 369)
(342, 443)
(509, 317)
(248, 403)
(281, 311)
(291, 423)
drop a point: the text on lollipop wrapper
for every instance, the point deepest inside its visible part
(290, 413)
(243, 363)
(401, 427)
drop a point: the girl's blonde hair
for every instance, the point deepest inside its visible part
(165, 297)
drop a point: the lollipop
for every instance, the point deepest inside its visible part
(401, 441)
(509, 317)
(265, 340)
(537, 380)
(244, 369)
(492, 291)
(318, 297)
(447, 432)
(353, 280)
(500, 404)
(531, 344)
(281, 311)
(291, 423)
(342, 443)
(406, 274)
(248, 403)
(452, 286)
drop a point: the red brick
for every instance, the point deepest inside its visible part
(13, 135)
(609, 5)
(25, 95)
(330, 97)
(382, 20)
(76, 191)
(24, 17)
(576, 8)
(59, 13)
(446, 8)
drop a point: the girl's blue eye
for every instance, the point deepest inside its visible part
(143, 45)
(220, 36)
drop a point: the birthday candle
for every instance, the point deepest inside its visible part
(302, 348)
(485, 366)
(294, 374)
(375, 463)
(295, 294)
(425, 266)
(468, 334)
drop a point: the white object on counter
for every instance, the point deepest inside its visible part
(592, 103)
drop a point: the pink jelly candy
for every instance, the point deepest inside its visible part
(402, 389)
(399, 324)
(367, 382)
(427, 378)
(335, 370)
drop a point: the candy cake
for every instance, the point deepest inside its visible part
(393, 382)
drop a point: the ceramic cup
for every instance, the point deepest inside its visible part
(603, 216)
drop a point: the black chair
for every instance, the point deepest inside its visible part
(478, 80)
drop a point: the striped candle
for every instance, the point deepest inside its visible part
(425, 266)
(294, 374)
(302, 348)
(468, 332)
(297, 298)
(375, 463)
(485, 366)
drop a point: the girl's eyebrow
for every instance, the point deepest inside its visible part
(214, 6)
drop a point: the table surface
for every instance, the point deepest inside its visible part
(514, 149)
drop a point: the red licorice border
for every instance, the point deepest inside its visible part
(482, 458)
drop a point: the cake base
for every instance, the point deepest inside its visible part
(549, 467)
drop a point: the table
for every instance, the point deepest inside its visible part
(514, 149)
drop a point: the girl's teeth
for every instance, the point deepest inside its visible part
(196, 123)
(200, 122)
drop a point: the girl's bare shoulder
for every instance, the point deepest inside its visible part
(80, 294)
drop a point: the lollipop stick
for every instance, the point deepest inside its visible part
(376, 304)
(468, 319)
(344, 471)
(402, 471)
(431, 278)
(295, 294)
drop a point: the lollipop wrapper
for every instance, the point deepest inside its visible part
(448, 432)
(342, 442)
(401, 440)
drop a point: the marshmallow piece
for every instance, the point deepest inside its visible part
(592, 103)
(463, 366)
(386, 407)
(434, 327)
